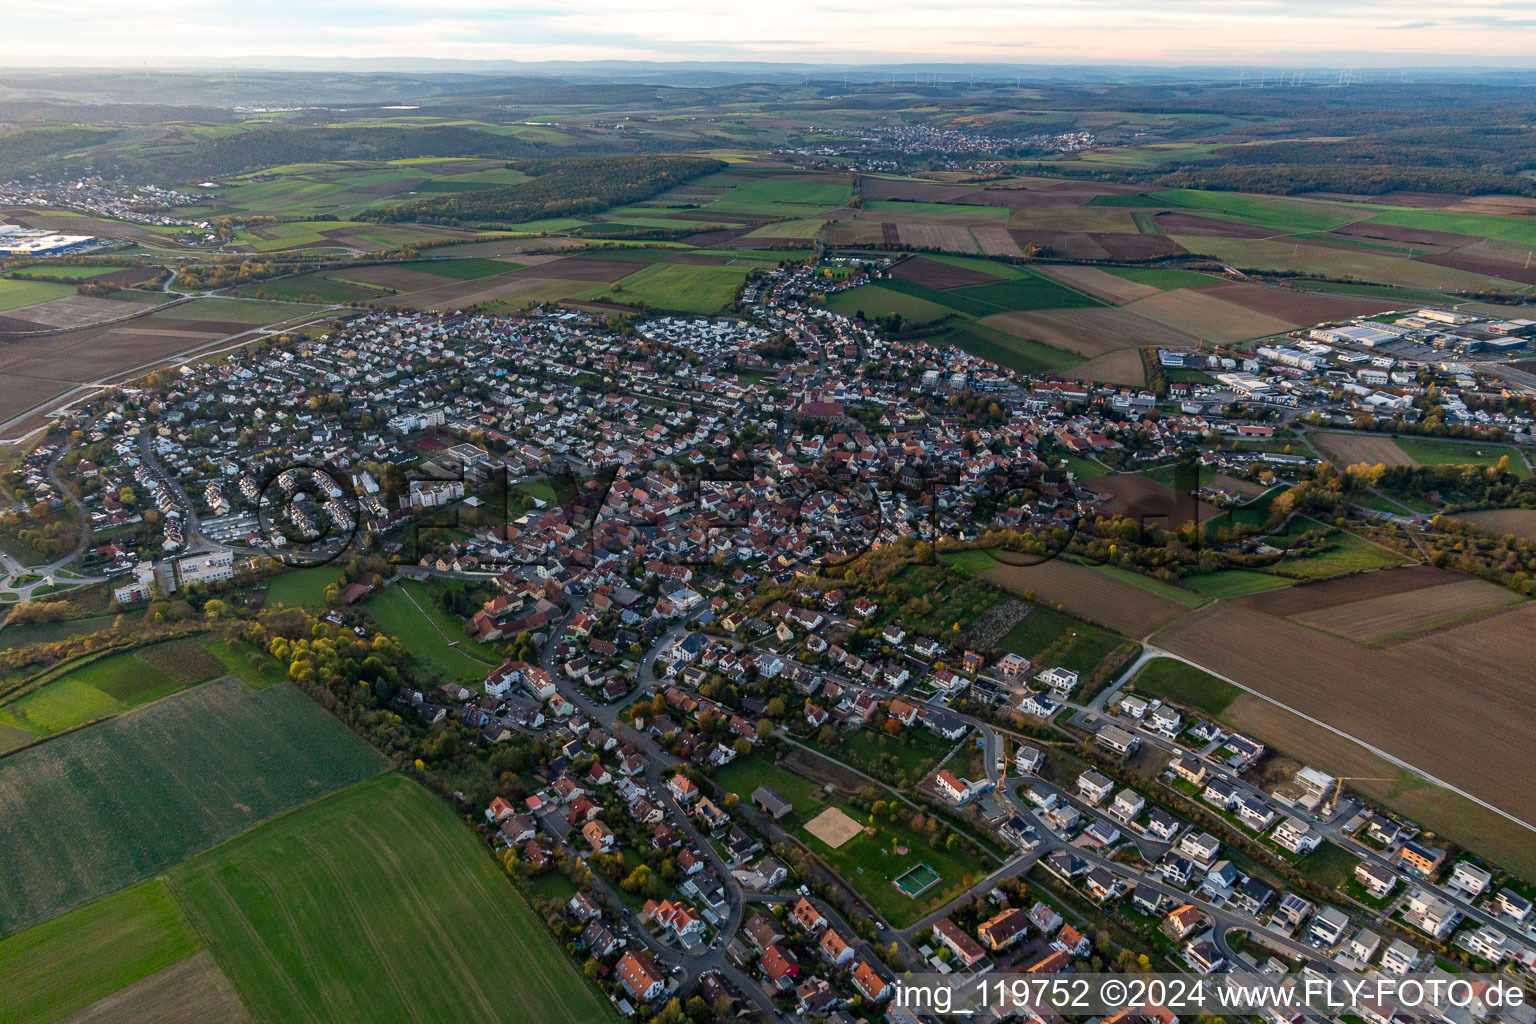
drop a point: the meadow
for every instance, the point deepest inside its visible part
(102, 687)
(408, 612)
(1174, 680)
(100, 949)
(377, 905)
(116, 802)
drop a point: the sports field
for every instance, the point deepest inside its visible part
(378, 905)
(118, 801)
(916, 880)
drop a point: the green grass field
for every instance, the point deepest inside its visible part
(1021, 293)
(1049, 638)
(378, 905)
(1511, 229)
(1429, 451)
(1233, 583)
(1153, 586)
(1166, 280)
(745, 774)
(878, 300)
(969, 561)
(684, 287)
(310, 288)
(1330, 865)
(1281, 214)
(301, 588)
(1184, 684)
(14, 294)
(109, 686)
(408, 611)
(1005, 349)
(1346, 552)
(114, 803)
(870, 862)
(73, 273)
(256, 667)
(62, 965)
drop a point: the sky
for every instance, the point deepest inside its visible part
(1498, 33)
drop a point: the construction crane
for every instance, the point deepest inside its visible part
(1338, 787)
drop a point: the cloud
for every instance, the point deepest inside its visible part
(1122, 31)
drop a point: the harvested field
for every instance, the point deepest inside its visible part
(1496, 206)
(399, 278)
(948, 237)
(1122, 367)
(1195, 311)
(888, 234)
(1298, 307)
(1448, 814)
(1072, 245)
(1371, 449)
(1391, 615)
(1089, 332)
(459, 294)
(833, 827)
(1087, 219)
(80, 311)
(1502, 522)
(1190, 224)
(1362, 586)
(1456, 261)
(1429, 701)
(1098, 283)
(576, 269)
(873, 189)
(1089, 594)
(1122, 246)
(1147, 501)
(1393, 233)
(937, 274)
(193, 991)
(995, 240)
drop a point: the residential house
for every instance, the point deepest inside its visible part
(967, 952)
(1297, 836)
(1376, 879)
(1004, 929)
(638, 974)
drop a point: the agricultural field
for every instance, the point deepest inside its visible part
(15, 293)
(1353, 449)
(1233, 583)
(684, 287)
(354, 907)
(1407, 697)
(101, 949)
(1503, 522)
(1087, 593)
(107, 686)
(205, 764)
(301, 588)
(1394, 615)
